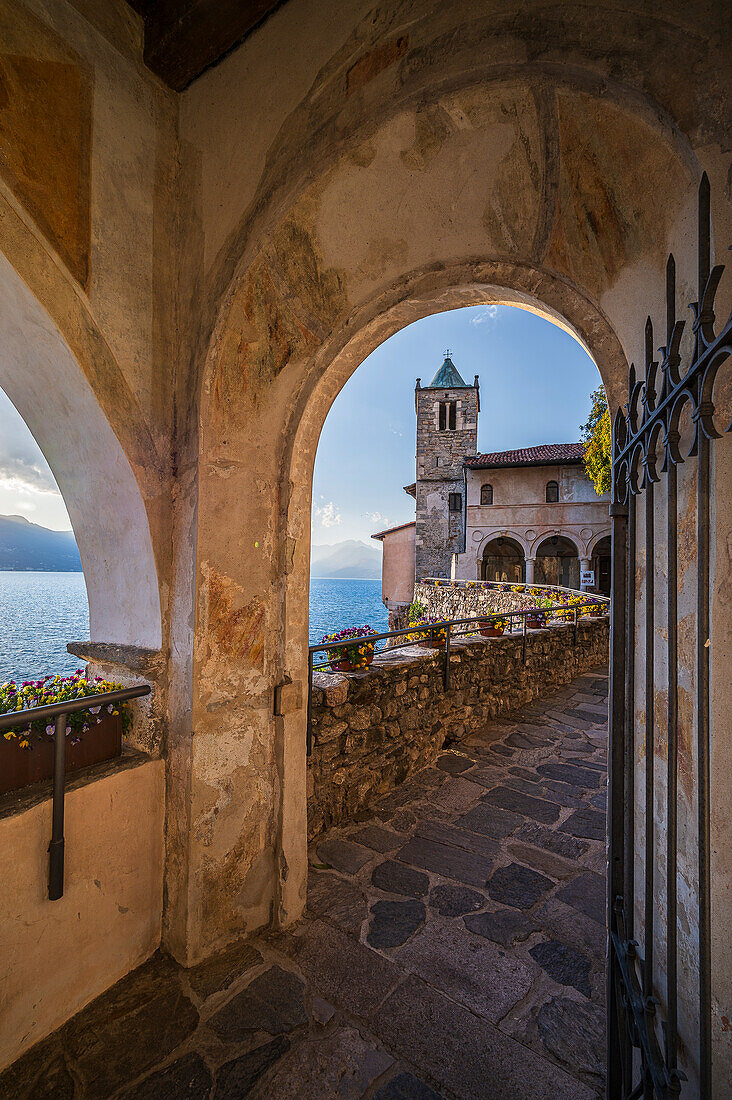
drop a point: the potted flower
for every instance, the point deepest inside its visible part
(493, 627)
(92, 736)
(355, 654)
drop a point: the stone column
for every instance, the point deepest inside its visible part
(585, 564)
(530, 570)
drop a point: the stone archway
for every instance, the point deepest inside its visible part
(557, 562)
(246, 641)
(42, 378)
(503, 560)
(306, 306)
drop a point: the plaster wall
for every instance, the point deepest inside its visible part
(397, 567)
(57, 956)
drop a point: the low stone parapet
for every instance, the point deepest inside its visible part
(373, 729)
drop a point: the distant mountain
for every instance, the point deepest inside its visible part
(349, 560)
(27, 546)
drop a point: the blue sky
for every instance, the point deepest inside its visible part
(535, 385)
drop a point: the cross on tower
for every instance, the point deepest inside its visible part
(448, 353)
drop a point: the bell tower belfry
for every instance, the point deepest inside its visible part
(447, 433)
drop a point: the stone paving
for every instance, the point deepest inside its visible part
(453, 948)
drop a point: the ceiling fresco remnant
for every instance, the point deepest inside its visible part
(45, 134)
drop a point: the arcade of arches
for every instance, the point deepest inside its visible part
(556, 561)
(189, 279)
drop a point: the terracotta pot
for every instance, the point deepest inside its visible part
(346, 666)
(21, 767)
(535, 623)
(491, 631)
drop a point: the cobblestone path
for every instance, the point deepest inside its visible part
(454, 947)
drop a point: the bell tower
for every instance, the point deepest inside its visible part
(447, 433)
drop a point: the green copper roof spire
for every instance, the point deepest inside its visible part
(447, 377)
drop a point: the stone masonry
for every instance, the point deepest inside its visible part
(452, 602)
(440, 457)
(373, 729)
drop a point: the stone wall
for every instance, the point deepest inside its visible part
(459, 603)
(445, 602)
(373, 729)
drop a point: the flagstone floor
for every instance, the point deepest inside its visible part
(453, 948)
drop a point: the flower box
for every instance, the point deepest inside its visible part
(535, 622)
(490, 631)
(20, 767)
(344, 665)
(356, 653)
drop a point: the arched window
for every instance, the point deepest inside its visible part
(552, 492)
(486, 494)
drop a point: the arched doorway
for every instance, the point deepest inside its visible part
(601, 565)
(557, 562)
(503, 560)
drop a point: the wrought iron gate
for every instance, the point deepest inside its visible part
(642, 1042)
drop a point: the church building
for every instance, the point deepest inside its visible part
(530, 514)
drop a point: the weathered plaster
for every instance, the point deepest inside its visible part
(57, 956)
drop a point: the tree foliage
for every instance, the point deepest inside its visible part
(596, 434)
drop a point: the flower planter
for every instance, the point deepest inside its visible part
(345, 665)
(22, 767)
(491, 631)
(535, 623)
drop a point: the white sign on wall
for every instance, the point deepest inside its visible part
(587, 577)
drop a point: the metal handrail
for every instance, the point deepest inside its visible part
(59, 711)
(445, 625)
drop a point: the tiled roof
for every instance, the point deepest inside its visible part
(391, 530)
(411, 489)
(548, 454)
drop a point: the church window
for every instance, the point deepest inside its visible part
(456, 502)
(486, 494)
(552, 492)
(447, 416)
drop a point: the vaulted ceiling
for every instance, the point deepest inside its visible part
(183, 38)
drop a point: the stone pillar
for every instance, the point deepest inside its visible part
(530, 562)
(585, 564)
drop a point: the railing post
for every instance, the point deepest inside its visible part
(523, 640)
(56, 847)
(574, 633)
(309, 735)
(447, 659)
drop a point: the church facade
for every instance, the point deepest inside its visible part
(529, 515)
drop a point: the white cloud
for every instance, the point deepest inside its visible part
(376, 517)
(23, 469)
(328, 515)
(487, 313)
(395, 431)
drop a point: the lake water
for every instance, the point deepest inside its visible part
(41, 612)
